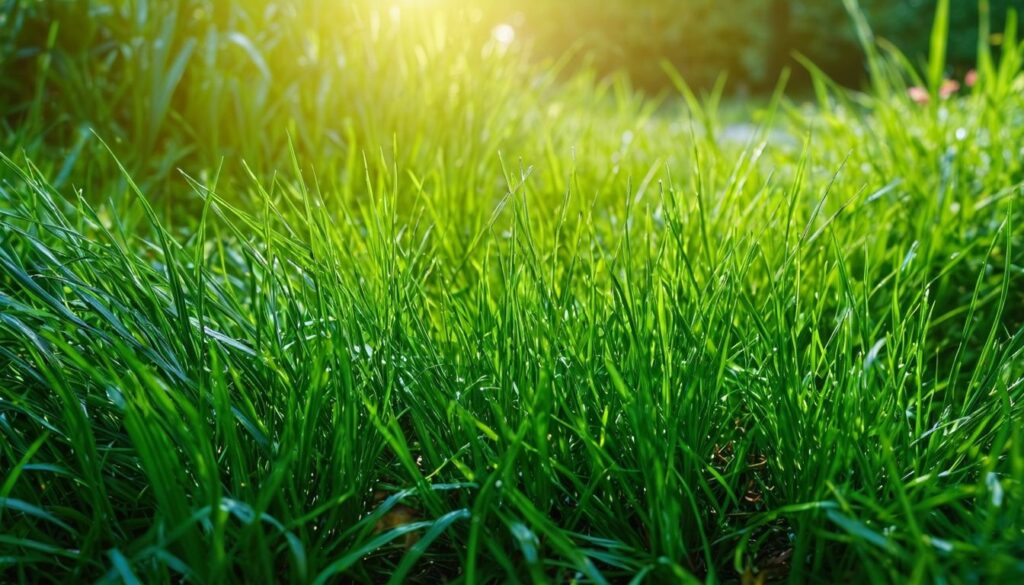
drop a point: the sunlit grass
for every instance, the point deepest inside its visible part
(356, 297)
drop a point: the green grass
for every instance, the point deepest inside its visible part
(428, 312)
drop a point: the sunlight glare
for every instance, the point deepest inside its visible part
(504, 34)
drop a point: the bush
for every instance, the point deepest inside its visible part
(750, 39)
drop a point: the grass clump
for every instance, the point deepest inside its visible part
(574, 333)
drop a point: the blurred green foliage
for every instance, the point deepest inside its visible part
(168, 81)
(226, 73)
(751, 40)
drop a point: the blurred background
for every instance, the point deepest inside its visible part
(750, 40)
(189, 82)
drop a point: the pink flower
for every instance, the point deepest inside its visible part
(971, 79)
(948, 88)
(918, 95)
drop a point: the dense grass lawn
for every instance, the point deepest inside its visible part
(335, 293)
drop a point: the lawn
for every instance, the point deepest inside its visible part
(334, 292)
